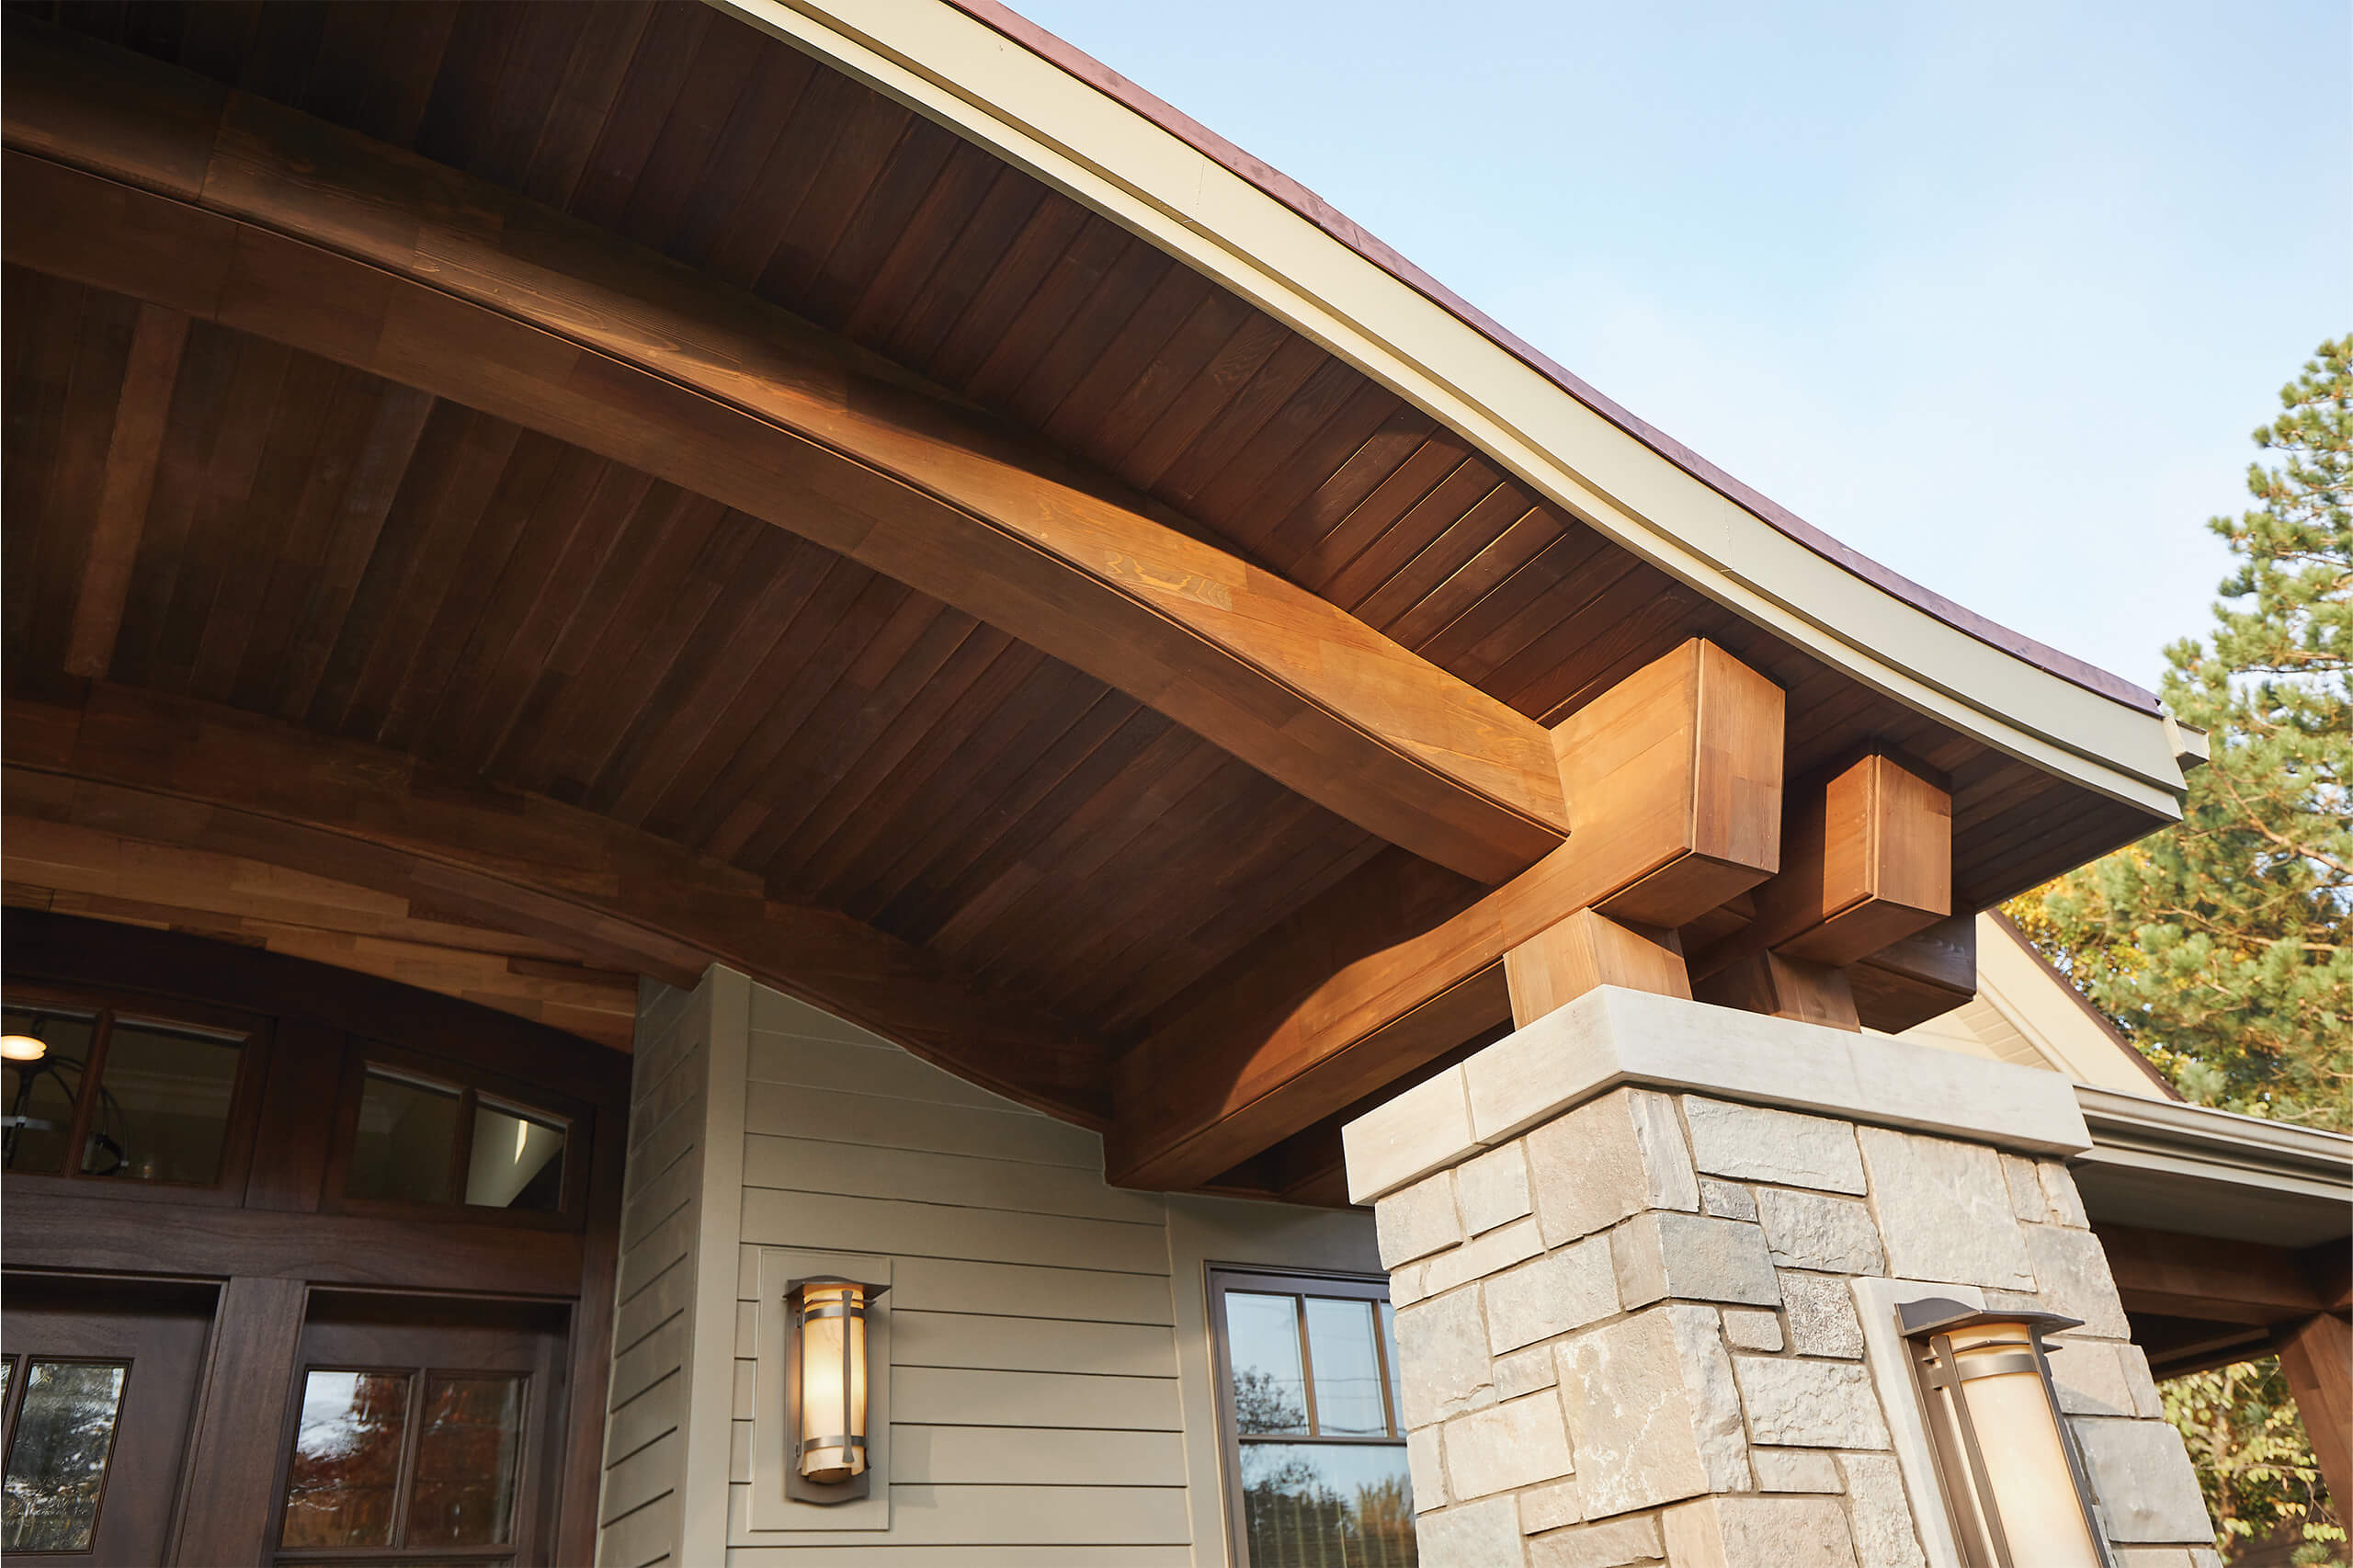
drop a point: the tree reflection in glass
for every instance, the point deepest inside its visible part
(1269, 1387)
(57, 1465)
(343, 1482)
(1328, 1506)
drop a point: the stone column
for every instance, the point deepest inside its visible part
(1624, 1243)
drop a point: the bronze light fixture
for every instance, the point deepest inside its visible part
(2012, 1481)
(824, 1383)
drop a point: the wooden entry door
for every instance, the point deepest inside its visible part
(422, 1433)
(100, 1383)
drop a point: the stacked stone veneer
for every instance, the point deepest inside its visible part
(1629, 1332)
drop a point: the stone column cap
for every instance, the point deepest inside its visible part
(1612, 1037)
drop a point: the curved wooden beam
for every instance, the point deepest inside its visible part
(141, 178)
(176, 770)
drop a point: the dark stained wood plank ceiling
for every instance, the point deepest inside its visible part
(349, 555)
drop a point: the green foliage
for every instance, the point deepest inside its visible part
(2223, 946)
(2253, 1460)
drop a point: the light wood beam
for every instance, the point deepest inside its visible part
(2206, 1277)
(72, 869)
(176, 770)
(2317, 1357)
(1674, 776)
(1586, 951)
(1866, 861)
(132, 450)
(135, 177)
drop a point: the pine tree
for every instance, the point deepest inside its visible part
(2224, 946)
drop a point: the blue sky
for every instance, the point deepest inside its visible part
(1993, 292)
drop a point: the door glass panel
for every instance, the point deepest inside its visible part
(1269, 1393)
(163, 1110)
(344, 1477)
(37, 1097)
(407, 1141)
(466, 1455)
(1307, 1505)
(57, 1465)
(1347, 1369)
(516, 1161)
(7, 1368)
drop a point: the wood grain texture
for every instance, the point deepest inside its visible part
(1677, 781)
(1785, 988)
(1924, 976)
(375, 258)
(131, 454)
(1868, 857)
(1563, 963)
(378, 819)
(2317, 1356)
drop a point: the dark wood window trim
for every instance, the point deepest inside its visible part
(1252, 1279)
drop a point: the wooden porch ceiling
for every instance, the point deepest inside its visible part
(513, 614)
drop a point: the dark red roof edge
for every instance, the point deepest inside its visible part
(1338, 224)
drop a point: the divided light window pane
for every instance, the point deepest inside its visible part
(162, 1109)
(408, 1142)
(516, 1161)
(343, 1482)
(37, 1097)
(1269, 1390)
(1348, 1401)
(464, 1492)
(57, 1462)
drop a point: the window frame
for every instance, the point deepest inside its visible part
(108, 1007)
(1262, 1280)
(20, 1364)
(472, 1086)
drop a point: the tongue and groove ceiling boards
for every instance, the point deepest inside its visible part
(575, 620)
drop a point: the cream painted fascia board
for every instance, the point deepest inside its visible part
(2034, 997)
(2215, 1145)
(957, 71)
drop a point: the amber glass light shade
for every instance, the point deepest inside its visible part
(22, 1047)
(829, 1422)
(2010, 1477)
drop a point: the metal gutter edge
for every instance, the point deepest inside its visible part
(2130, 1130)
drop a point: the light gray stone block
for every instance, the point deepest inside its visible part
(1726, 1199)
(1652, 1412)
(1525, 1372)
(1944, 1210)
(1483, 1255)
(1442, 1353)
(1808, 1404)
(1752, 1328)
(1879, 1513)
(1611, 1545)
(1491, 1189)
(2153, 1557)
(1758, 1144)
(1795, 1470)
(1821, 1316)
(1805, 1229)
(1692, 1258)
(2147, 1489)
(2076, 1279)
(1757, 1532)
(2092, 1377)
(2025, 1184)
(2058, 1190)
(1552, 1506)
(1425, 1467)
(1418, 1220)
(2146, 1401)
(1557, 1293)
(1472, 1535)
(1406, 1284)
(1507, 1445)
(1425, 1128)
(1607, 1160)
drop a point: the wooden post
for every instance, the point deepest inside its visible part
(2317, 1356)
(1585, 950)
(1787, 988)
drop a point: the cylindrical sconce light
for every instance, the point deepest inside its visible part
(825, 1389)
(2011, 1478)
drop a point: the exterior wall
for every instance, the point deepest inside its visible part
(1049, 1399)
(1633, 1321)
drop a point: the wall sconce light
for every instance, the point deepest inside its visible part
(22, 1047)
(2011, 1479)
(825, 1389)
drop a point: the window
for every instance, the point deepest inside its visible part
(120, 1096)
(1315, 1454)
(404, 1457)
(60, 1438)
(420, 1138)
